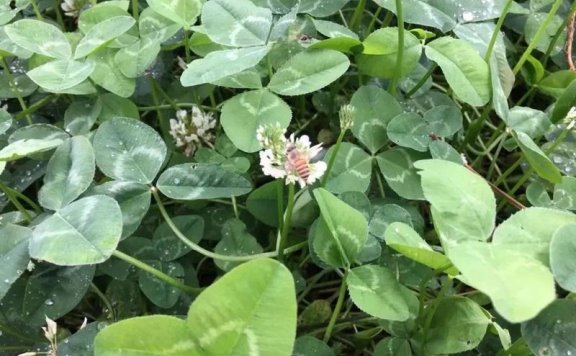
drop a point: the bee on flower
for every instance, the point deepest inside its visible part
(192, 130)
(289, 158)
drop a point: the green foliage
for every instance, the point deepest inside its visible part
(405, 240)
(412, 192)
(374, 289)
(201, 181)
(84, 232)
(380, 51)
(251, 309)
(463, 206)
(244, 113)
(308, 71)
(341, 231)
(518, 285)
(69, 173)
(466, 72)
(458, 325)
(129, 150)
(374, 109)
(551, 331)
(562, 247)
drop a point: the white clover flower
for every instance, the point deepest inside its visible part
(190, 131)
(571, 114)
(71, 8)
(290, 159)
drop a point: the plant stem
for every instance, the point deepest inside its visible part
(286, 224)
(105, 300)
(235, 207)
(156, 273)
(499, 191)
(280, 202)
(36, 10)
(9, 194)
(332, 158)
(373, 20)
(163, 124)
(14, 89)
(135, 9)
(211, 254)
(337, 308)
(57, 10)
(392, 87)
(311, 283)
(530, 170)
(167, 97)
(187, 45)
(566, 26)
(357, 15)
(35, 107)
(499, 24)
(422, 81)
(430, 313)
(387, 19)
(541, 31)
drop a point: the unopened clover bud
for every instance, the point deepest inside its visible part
(347, 116)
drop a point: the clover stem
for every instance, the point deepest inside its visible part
(280, 203)
(332, 158)
(210, 254)
(14, 200)
(286, 224)
(156, 273)
(337, 308)
(499, 24)
(13, 88)
(400, 56)
(36, 10)
(357, 15)
(135, 9)
(541, 31)
(422, 80)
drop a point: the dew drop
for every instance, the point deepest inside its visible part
(467, 16)
(49, 302)
(176, 180)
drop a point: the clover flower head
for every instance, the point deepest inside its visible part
(71, 8)
(346, 114)
(190, 131)
(291, 159)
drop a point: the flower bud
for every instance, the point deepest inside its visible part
(347, 113)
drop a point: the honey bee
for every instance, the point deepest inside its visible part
(298, 162)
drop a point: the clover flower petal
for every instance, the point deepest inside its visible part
(291, 159)
(190, 131)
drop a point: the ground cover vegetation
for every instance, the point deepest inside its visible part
(287, 177)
